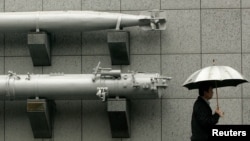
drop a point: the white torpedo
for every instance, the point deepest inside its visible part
(102, 83)
(54, 21)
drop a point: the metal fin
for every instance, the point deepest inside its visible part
(156, 21)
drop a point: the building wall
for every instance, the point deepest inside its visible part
(197, 32)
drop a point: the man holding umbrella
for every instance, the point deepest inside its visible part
(205, 80)
(202, 117)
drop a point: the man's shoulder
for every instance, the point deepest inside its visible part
(200, 102)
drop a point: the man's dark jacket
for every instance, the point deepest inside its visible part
(202, 120)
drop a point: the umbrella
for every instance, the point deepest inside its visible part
(219, 76)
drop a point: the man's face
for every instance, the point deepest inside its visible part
(209, 94)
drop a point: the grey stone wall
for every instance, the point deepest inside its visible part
(198, 31)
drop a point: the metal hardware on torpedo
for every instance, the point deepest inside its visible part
(102, 83)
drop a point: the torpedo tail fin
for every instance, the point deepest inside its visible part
(155, 20)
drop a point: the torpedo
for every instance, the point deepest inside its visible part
(56, 21)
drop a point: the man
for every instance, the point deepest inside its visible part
(202, 117)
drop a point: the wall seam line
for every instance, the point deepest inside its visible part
(4, 102)
(161, 72)
(241, 61)
(201, 52)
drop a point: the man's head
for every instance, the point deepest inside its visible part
(206, 90)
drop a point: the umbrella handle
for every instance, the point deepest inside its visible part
(218, 107)
(217, 101)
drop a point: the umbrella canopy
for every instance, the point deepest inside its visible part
(220, 76)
